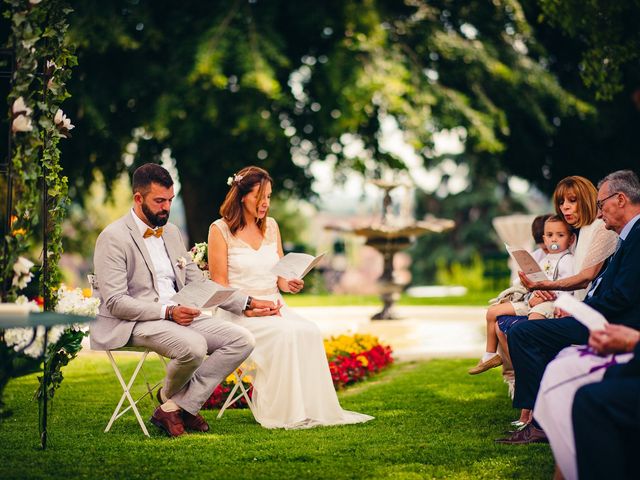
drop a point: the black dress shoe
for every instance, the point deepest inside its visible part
(528, 434)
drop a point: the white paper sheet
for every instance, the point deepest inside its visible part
(527, 264)
(590, 318)
(296, 265)
(205, 294)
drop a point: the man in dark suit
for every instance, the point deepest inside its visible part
(606, 414)
(615, 293)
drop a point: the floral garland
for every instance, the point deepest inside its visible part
(37, 124)
(42, 69)
(352, 358)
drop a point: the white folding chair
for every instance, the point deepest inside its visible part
(126, 387)
(238, 391)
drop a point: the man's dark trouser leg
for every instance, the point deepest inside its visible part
(606, 426)
(532, 345)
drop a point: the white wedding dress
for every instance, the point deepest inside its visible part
(292, 386)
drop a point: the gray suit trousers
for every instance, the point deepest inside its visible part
(191, 375)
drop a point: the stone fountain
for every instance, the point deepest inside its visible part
(388, 236)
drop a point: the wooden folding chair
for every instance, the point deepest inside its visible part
(126, 387)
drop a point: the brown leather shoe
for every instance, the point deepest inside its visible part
(493, 362)
(170, 422)
(158, 396)
(528, 434)
(195, 422)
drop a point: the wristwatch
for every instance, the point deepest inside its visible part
(248, 304)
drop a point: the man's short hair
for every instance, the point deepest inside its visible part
(623, 181)
(150, 173)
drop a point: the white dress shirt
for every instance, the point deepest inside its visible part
(165, 275)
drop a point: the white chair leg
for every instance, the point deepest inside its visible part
(232, 397)
(126, 389)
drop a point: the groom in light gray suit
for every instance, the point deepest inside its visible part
(140, 263)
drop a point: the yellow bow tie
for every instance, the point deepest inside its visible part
(152, 233)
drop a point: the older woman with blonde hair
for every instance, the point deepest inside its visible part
(575, 200)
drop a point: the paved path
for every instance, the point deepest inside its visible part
(419, 332)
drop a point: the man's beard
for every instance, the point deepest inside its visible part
(156, 219)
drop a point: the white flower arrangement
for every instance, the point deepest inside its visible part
(19, 338)
(200, 257)
(22, 272)
(74, 302)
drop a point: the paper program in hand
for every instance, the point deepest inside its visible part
(205, 294)
(590, 318)
(296, 265)
(527, 264)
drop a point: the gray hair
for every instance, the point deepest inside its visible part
(623, 181)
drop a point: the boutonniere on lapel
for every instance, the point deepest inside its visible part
(181, 263)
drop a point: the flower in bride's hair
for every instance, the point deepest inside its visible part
(235, 178)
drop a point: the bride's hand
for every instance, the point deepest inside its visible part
(295, 285)
(262, 308)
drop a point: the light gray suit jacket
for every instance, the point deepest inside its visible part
(127, 283)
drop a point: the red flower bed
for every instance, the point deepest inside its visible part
(351, 358)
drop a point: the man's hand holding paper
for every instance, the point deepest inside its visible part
(205, 294)
(590, 318)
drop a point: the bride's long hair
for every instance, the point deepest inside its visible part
(241, 184)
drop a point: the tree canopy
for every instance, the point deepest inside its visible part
(219, 85)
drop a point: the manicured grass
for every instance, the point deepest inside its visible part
(305, 300)
(432, 421)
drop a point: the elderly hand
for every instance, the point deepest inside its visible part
(295, 285)
(614, 339)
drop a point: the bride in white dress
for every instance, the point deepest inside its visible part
(292, 386)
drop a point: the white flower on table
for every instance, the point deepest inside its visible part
(74, 301)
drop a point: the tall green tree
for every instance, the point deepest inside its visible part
(281, 84)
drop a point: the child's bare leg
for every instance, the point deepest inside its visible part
(493, 313)
(491, 359)
(502, 340)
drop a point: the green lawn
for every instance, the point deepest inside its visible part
(304, 300)
(432, 421)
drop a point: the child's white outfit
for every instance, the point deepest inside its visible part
(555, 266)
